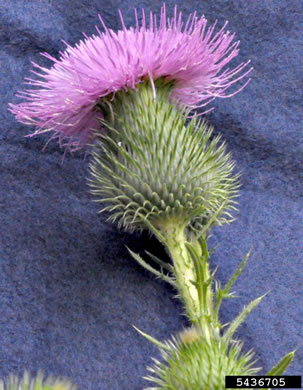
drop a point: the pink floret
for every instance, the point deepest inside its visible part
(64, 99)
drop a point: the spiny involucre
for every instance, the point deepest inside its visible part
(194, 364)
(150, 168)
(65, 98)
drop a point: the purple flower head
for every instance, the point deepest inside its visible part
(64, 99)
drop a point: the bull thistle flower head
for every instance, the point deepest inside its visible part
(65, 100)
(136, 87)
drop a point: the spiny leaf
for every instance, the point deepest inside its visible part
(240, 318)
(225, 292)
(237, 273)
(148, 267)
(283, 364)
(162, 264)
(153, 340)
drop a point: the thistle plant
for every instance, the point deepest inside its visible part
(156, 166)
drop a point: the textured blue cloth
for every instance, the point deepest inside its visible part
(69, 291)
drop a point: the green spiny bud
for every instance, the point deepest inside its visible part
(150, 168)
(38, 383)
(191, 363)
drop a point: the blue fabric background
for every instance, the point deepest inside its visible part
(69, 291)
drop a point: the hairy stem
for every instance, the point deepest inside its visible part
(184, 269)
(193, 279)
(207, 309)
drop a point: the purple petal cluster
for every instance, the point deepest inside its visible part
(64, 98)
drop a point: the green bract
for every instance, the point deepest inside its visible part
(150, 167)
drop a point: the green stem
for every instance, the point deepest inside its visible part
(207, 295)
(193, 279)
(183, 267)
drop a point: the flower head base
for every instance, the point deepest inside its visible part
(153, 169)
(193, 57)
